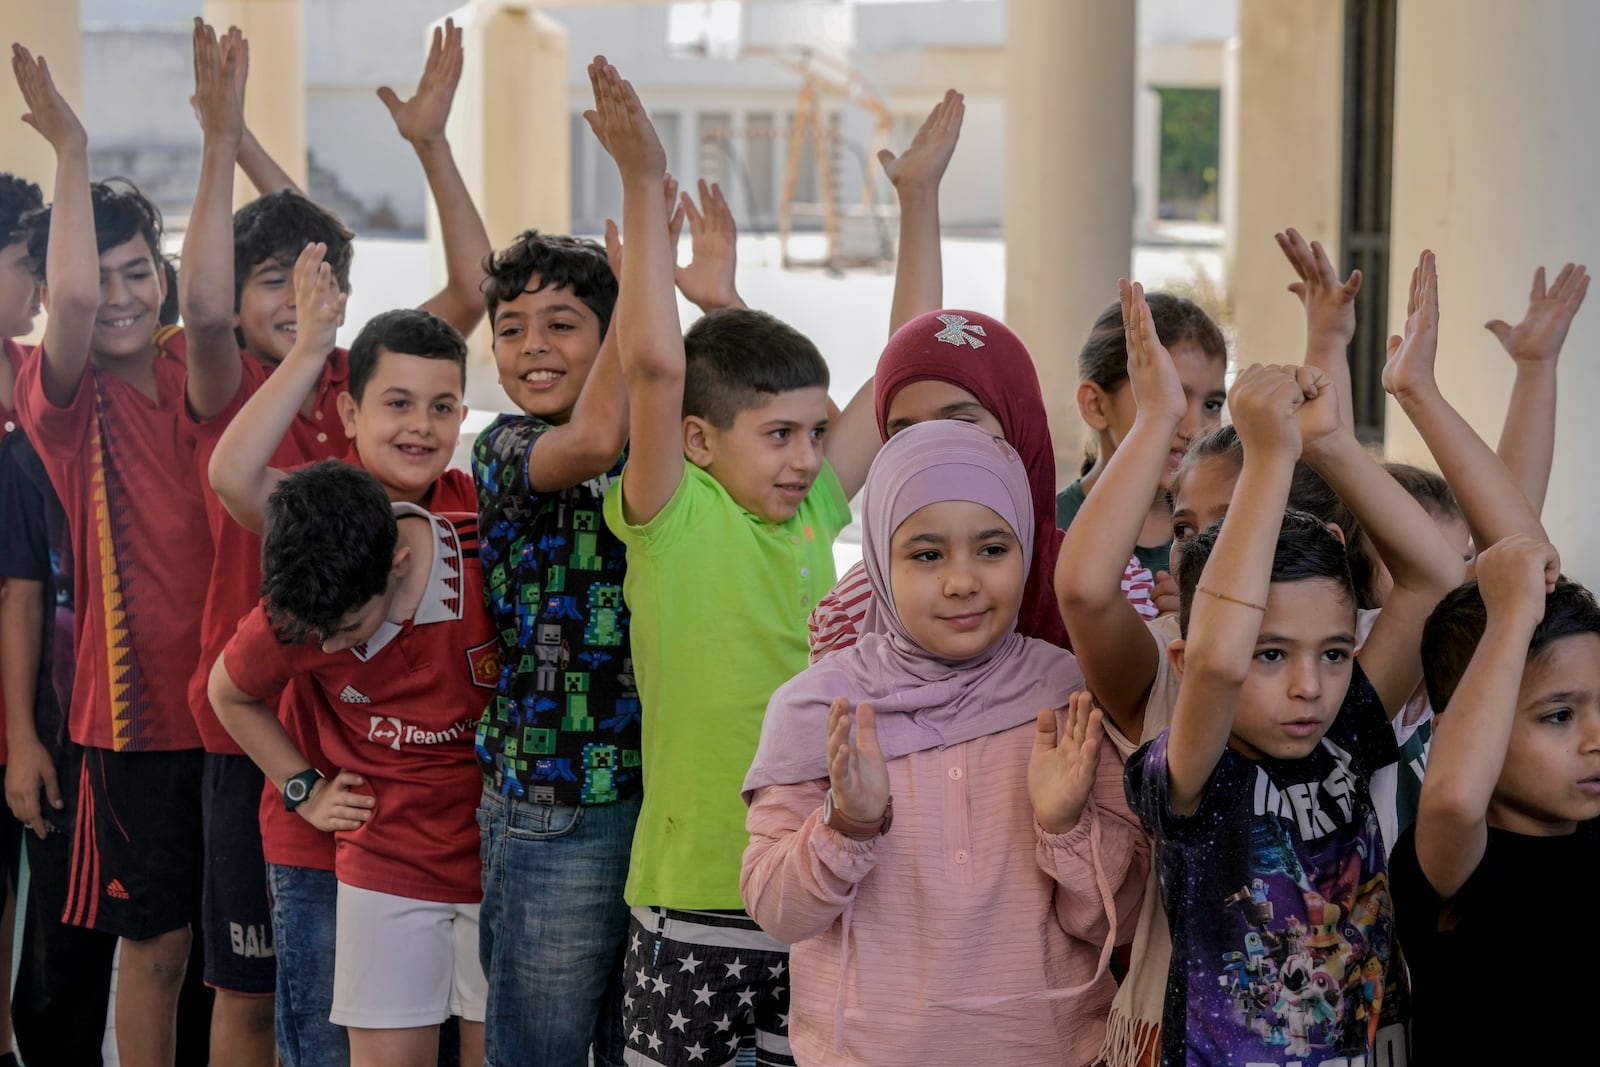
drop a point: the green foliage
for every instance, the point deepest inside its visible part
(1191, 136)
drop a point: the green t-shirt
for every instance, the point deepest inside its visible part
(1068, 503)
(719, 600)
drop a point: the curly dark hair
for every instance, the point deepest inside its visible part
(736, 358)
(121, 213)
(1306, 550)
(560, 262)
(410, 331)
(18, 198)
(278, 227)
(327, 548)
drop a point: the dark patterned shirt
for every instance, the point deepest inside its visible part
(563, 727)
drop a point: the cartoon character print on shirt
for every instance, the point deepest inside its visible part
(1313, 987)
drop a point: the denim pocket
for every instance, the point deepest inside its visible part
(541, 822)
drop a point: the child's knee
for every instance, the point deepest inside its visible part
(164, 956)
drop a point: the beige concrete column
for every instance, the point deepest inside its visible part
(275, 101)
(1289, 152)
(1494, 164)
(1069, 187)
(48, 28)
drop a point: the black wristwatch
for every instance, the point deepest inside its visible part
(298, 788)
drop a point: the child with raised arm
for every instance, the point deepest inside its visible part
(1257, 796)
(974, 922)
(1510, 811)
(376, 606)
(727, 474)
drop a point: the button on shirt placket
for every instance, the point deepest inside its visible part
(957, 815)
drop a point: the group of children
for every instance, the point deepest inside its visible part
(590, 753)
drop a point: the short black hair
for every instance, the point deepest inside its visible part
(1310, 492)
(736, 358)
(277, 227)
(1451, 636)
(1427, 488)
(409, 331)
(560, 262)
(18, 198)
(1306, 550)
(121, 213)
(327, 548)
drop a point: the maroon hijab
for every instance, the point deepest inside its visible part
(979, 354)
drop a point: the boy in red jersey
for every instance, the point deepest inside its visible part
(238, 299)
(385, 620)
(105, 405)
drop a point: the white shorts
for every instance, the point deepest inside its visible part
(400, 962)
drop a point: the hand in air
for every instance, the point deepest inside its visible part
(1062, 768)
(857, 773)
(48, 111)
(422, 118)
(708, 280)
(1330, 304)
(335, 805)
(1265, 401)
(618, 119)
(922, 164)
(1408, 373)
(1157, 389)
(319, 305)
(1539, 336)
(1514, 574)
(221, 68)
(669, 192)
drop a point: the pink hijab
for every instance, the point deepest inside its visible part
(922, 702)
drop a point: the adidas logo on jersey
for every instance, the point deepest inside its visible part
(114, 889)
(351, 695)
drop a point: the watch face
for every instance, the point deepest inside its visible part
(295, 790)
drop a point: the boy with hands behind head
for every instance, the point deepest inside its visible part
(1507, 838)
(1258, 795)
(744, 398)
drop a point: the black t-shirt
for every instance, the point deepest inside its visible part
(1503, 972)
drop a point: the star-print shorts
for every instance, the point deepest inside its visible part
(699, 985)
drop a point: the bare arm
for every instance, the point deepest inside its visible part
(30, 772)
(1470, 740)
(1223, 629)
(72, 264)
(1330, 312)
(241, 469)
(205, 286)
(915, 175)
(1113, 646)
(647, 311)
(421, 121)
(852, 440)
(1528, 438)
(1490, 497)
(262, 170)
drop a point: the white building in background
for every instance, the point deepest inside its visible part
(906, 51)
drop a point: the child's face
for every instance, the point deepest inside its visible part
(545, 344)
(266, 315)
(1205, 390)
(1202, 500)
(19, 292)
(358, 626)
(132, 288)
(1551, 776)
(931, 399)
(771, 454)
(1300, 670)
(956, 572)
(407, 422)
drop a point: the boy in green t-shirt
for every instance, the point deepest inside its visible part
(727, 555)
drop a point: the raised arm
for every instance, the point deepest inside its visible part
(421, 121)
(262, 170)
(1490, 496)
(1528, 438)
(72, 264)
(205, 285)
(241, 465)
(1416, 554)
(707, 281)
(647, 311)
(1330, 312)
(852, 440)
(915, 175)
(1226, 615)
(1117, 652)
(1471, 736)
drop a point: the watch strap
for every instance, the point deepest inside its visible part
(837, 820)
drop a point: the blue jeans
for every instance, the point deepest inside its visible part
(304, 910)
(552, 930)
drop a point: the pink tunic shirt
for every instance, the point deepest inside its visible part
(908, 948)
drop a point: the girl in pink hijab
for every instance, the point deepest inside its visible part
(935, 823)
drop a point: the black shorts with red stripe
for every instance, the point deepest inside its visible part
(137, 846)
